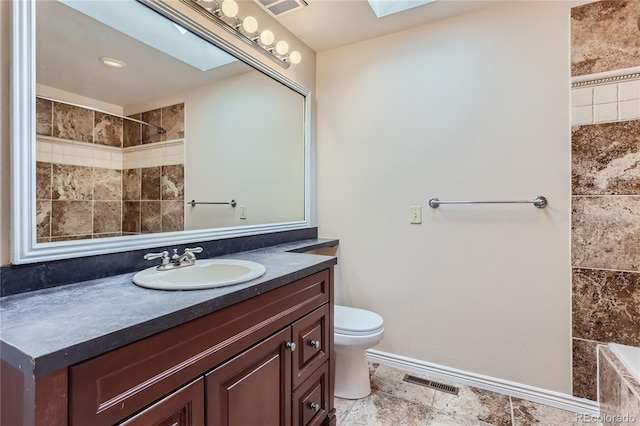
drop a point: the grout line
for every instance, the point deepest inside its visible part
(604, 269)
(602, 195)
(513, 420)
(349, 407)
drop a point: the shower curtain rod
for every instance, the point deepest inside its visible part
(160, 129)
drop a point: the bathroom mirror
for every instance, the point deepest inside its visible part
(130, 135)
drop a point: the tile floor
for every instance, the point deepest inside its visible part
(394, 402)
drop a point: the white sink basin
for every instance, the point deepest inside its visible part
(206, 273)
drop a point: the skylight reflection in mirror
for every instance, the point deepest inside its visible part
(384, 8)
(143, 24)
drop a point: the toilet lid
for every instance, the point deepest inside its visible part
(350, 320)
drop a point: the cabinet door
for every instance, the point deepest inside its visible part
(184, 407)
(254, 388)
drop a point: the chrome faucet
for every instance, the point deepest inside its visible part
(188, 258)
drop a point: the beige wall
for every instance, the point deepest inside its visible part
(5, 37)
(216, 170)
(475, 107)
(272, 191)
(303, 74)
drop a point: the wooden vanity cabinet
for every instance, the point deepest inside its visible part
(264, 361)
(255, 387)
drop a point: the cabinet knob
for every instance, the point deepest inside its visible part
(315, 343)
(291, 346)
(314, 406)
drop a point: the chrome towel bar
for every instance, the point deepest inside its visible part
(231, 203)
(540, 202)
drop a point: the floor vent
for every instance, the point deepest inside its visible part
(431, 384)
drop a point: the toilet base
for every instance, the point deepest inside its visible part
(352, 375)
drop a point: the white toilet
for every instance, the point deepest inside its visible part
(355, 331)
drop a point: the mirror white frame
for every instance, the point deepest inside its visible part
(24, 248)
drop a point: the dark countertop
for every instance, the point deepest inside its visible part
(45, 330)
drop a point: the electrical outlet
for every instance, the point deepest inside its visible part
(415, 214)
(243, 212)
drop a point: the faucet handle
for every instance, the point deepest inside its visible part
(151, 256)
(163, 255)
(189, 252)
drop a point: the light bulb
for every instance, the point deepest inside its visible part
(266, 38)
(229, 8)
(282, 47)
(250, 24)
(295, 57)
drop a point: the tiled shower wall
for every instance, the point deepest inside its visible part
(101, 176)
(605, 183)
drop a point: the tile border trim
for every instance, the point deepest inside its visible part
(518, 390)
(622, 74)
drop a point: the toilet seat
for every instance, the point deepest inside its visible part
(355, 322)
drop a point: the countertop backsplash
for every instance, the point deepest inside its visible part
(15, 279)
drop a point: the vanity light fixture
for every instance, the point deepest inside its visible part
(112, 62)
(226, 14)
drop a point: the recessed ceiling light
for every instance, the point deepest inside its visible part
(112, 62)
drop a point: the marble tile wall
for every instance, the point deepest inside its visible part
(78, 124)
(86, 192)
(77, 202)
(605, 188)
(605, 243)
(171, 118)
(604, 36)
(619, 391)
(94, 139)
(153, 199)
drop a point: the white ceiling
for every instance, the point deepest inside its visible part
(327, 24)
(68, 46)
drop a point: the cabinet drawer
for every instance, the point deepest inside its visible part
(311, 399)
(311, 336)
(185, 407)
(113, 386)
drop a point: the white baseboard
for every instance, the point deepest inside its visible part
(518, 390)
